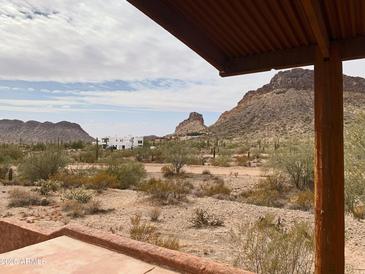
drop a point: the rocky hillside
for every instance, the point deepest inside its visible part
(15, 131)
(284, 106)
(194, 124)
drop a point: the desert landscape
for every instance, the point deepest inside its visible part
(235, 192)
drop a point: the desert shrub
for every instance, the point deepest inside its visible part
(358, 211)
(215, 187)
(154, 214)
(166, 191)
(268, 192)
(10, 154)
(296, 161)
(39, 147)
(93, 207)
(355, 165)
(69, 178)
(142, 231)
(201, 218)
(23, 198)
(42, 165)
(168, 242)
(128, 173)
(266, 247)
(78, 194)
(304, 200)
(168, 171)
(222, 160)
(76, 208)
(101, 181)
(177, 154)
(242, 160)
(73, 208)
(47, 186)
(87, 157)
(206, 172)
(4, 169)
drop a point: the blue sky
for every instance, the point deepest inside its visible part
(105, 65)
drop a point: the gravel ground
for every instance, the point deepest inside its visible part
(174, 220)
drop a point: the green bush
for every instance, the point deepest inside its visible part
(10, 154)
(268, 192)
(267, 247)
(42, 165)
(128, 173)
(177, 154)
(222, 160)
(355, 165)
(78, 194)
(296, 161)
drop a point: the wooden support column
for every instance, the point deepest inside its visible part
(329, 172)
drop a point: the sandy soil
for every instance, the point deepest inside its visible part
(209, 242)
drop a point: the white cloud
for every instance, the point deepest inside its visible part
(90, 40)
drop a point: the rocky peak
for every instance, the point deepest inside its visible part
(34, 132)
(194, 124)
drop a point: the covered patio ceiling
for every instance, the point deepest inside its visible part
(245, 36)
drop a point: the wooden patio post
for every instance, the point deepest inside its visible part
(329, 171)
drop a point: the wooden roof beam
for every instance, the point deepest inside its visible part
(314, 15)
(349, 49)
(282, 59)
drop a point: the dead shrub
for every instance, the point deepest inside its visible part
(166, 191)
(142, 231)
(206, 172)
(303, 200)
(76, 209)
(215, 187)
(168, 171)
(154, 214)
(358, 211)
(201, 218)
(266, 247)
(242, 160)
(23, 198)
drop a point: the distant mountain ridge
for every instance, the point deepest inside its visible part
(15, 131)
(284, 106)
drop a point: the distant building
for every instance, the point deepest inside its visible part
(122, 143)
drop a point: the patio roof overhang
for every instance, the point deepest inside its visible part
(238, 37)
(245, 36)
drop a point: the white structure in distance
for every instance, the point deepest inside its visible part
(122, 143)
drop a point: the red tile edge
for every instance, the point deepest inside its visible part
(15, 234)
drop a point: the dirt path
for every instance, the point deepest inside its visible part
(194, 169)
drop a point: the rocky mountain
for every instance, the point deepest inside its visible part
(15, 131)
(284, 106)
(194, 124)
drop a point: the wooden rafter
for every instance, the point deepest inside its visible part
(314, 15)
(349, 49)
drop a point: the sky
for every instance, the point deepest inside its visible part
(105, 65)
